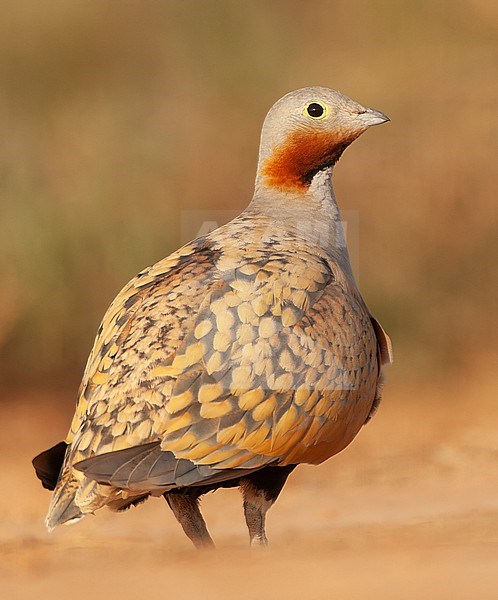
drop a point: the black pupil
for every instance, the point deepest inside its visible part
(315, 109)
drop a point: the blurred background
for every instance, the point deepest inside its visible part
(122, 117)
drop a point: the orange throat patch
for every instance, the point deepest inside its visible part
(294, 163)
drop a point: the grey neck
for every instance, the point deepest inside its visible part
(313, 215)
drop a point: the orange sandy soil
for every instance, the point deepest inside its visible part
(409, 510)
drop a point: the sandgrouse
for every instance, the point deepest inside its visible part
(246, 352)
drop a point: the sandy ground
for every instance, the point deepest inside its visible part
(409, 510)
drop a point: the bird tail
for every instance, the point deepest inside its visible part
(63, 507)
(77, 496)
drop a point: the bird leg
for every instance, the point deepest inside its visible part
(255, 509)
(260, 490)
(185, 507)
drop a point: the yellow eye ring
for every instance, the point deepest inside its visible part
(316, 110)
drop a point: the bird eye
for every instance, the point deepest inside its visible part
(316, 110)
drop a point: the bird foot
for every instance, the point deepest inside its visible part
(259, 541)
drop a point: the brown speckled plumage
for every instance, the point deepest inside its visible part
(247, 350)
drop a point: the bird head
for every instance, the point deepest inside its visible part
(305, 132)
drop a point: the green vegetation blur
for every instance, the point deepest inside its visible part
(119, 115)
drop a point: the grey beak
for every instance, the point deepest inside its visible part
(372, 117)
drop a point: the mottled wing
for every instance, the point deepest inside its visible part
(278, 363)
(121, 402)
(211, 396)
(149, 468)
(281, 358)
